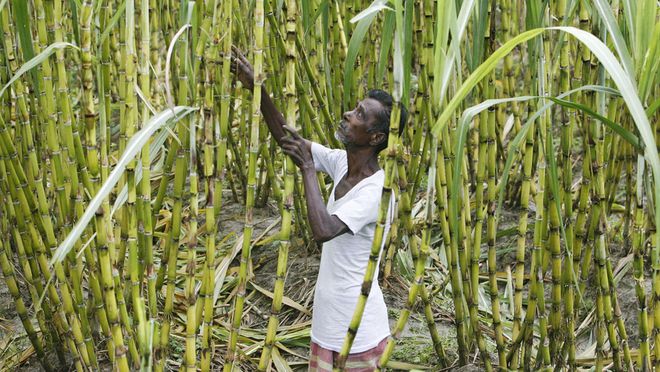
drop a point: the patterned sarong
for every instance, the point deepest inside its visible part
(320, 359)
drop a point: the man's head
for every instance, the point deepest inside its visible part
(368, 125)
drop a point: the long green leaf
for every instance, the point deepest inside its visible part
(133, 147)
(479, 73)
(385, 45)
(323, 7)
(22, 23)
(625, 134)
(36, 61)
(364, 20)
(112, 23)
(612, 27)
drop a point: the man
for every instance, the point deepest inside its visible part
(345, 226)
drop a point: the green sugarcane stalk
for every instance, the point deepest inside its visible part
(215, 133)
(251, 183)
(34, 287)
(491, 234)
(452, 255)
(543, 208)
(528, 155)
(287, 196)
(90, 114)
(638, 234)
(10, 279)
(566, 169)
(26, 259)
(191, 322)
(174, 238)
(582, 231)
(64, 306)
(419, 256)
(103, 251)
(600, 213)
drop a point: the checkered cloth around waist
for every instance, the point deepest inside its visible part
(321, 359)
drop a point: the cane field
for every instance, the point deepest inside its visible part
(148, 221)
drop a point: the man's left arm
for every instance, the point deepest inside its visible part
(324, 225)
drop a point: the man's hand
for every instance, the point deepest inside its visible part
(298, 149)
(241, 68)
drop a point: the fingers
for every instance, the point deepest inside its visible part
(294, 152)
(294, 133)
(239, 56)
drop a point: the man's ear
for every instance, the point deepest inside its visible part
(377, 138)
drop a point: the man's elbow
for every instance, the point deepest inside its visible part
(323, 235)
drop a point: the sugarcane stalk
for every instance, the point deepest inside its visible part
(287, 196)
(258, 51)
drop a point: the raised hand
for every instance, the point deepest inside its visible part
(298, 149)
(241, 68)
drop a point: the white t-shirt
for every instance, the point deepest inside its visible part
(344, 260)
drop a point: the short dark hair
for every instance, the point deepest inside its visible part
(382, 123)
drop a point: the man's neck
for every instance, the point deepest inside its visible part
(362, 163)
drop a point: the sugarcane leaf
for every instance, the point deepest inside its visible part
(645, 20)
(113, 21)
(476, 52)
(629, 8)
(155, 147)
(322, 9)
(36, 61)
(351, 54)
(479, 73)
(133, 147)
(605, 12)
(627, 135)
(170, 51)
(651, 65)
(397, 63)
(22, 23)
(280, 363)
(385, 45)
(75, 19)
(2, 4)
(306, 14)
(372, 9)
(458, 27)
(407, 50)
(285, 300)
(650, 111)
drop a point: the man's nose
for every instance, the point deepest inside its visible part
(345, 116)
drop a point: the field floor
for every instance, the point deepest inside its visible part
(414, 348)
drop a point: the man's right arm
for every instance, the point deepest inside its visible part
(272, 116)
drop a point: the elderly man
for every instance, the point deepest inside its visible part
(345, 225)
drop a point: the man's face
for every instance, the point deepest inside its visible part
(354, 129)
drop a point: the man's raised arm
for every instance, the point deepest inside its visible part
(242, 68)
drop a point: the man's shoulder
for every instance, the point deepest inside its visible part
(327, 152)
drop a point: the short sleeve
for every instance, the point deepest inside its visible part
(362, 209)
(328, 160)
